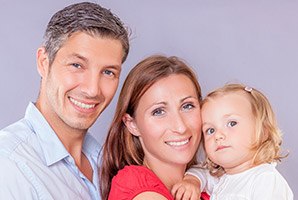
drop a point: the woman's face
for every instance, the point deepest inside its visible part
(167, 121)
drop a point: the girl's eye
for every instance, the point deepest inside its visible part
(210, 131)
(188, 106)
(158, 112)
(76, 65)
(232, 123)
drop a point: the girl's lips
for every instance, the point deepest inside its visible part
(221, 147)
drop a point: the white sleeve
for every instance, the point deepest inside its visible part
(13, 184)
(207, 181)
(273, 186)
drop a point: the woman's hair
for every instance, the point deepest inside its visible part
(267, 139)
(121, 148)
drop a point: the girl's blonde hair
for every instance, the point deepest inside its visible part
(267, 143)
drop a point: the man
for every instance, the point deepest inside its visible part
(49, 154)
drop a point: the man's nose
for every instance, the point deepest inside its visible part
(91, 85)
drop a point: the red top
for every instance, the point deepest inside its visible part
(205, 196)
(133, 180)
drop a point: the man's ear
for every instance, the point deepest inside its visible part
(131, 125)
(42, 62)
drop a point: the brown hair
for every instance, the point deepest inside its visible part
(122, 148)
(267, 144)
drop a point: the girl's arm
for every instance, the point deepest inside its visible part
(195, 181)
(188, 188)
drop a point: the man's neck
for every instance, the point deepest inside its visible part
(71, 138)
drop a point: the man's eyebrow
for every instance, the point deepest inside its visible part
(76, 55)
(114, 66)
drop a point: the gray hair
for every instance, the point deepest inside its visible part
(86, 17)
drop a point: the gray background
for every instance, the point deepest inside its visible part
(254, 42)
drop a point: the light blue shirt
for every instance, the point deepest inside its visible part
(34, 164)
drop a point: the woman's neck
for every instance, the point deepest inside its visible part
(169, 174)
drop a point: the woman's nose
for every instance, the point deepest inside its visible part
(178, 124)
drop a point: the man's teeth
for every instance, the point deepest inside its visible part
(81, 105)
(178, 143)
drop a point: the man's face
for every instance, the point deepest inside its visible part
(81, 81)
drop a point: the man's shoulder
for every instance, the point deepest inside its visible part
(14, 135)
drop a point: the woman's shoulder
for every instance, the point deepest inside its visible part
(133, 180)
(134, 176)
(134, 170)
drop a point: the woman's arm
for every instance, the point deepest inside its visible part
(150, 195)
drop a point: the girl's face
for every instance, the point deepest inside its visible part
(168, 122)
(228, 129)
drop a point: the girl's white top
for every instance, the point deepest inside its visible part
(262, 182)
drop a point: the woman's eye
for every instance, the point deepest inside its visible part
(232, 123)
(210, 131)
(158, 112)
(188, 106)
(76, 65)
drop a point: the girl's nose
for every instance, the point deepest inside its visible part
(219, 135)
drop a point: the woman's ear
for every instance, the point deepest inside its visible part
(42, 62)
(131, 125)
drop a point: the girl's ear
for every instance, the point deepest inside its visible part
(42, 62)
(131, 125)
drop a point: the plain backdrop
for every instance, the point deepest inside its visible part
(254, 42)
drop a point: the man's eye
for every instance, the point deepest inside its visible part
(109, 72)
(232, 123)
(76, 65)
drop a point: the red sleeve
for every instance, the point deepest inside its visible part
(205, 196)
(133, 180)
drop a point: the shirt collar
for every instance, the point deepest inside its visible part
(91, 146)
(52, 147)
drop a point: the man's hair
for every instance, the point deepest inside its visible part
(85, 17)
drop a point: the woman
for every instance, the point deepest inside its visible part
(155, 132)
